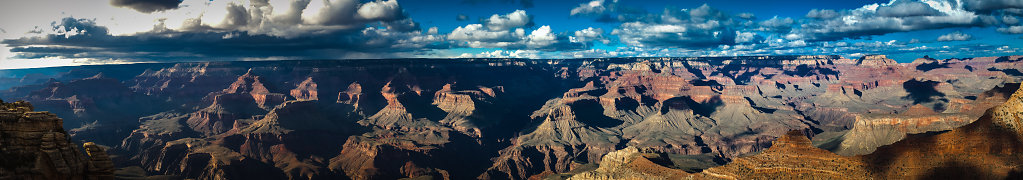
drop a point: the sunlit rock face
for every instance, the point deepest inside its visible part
(512, 118)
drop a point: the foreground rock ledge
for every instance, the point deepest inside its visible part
(33, 145)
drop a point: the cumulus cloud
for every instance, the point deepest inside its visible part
(297, 29)
(776, 24)
(590, 34)
(591, 8)
(232, 30)
(1011, 30)
(350, 12)
(609, 11)
(515, 19)
(822, 14)
(955, 36)
(509, 32)
(697, 28)
(896, 16)
(147, 6)
(990, 5)
(746, 37)
(907, 8)
(477, 33)
(543, 38)
(381, 11)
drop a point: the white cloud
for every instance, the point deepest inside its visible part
(512, 20)
(955, 36)
(380, 11)
(593, 7)
(867, 20)
(776, 24)
(590, 34)
(1010, 20)
(541, 37)
(476, 32)
(432, 30)
(745, 37)
(1011, 30)
(907, 8)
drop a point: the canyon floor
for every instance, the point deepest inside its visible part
(756, 117)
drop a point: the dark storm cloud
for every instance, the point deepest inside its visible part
(147, 6)
(84, 39)
(991, 5)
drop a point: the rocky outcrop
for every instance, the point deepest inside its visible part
(872, 131)
(560, 141)
(351, 95)
(395, 115)
(468, 110)
(306, 91)
(875, 61)
(251, 85)
(35, 146)
(924, 60)
(243, 99)
(367, 158)
(629, 163)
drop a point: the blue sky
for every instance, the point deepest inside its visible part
(59, 32)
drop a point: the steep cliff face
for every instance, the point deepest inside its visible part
(35, 146)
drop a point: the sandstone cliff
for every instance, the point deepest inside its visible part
(35, 146)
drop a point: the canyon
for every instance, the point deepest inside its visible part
(703, 117)
(987, 148)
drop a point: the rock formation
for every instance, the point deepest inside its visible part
(875, 61)
(35, 146)
(988, 148)
(306, 91)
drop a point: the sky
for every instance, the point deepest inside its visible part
(46, 33)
